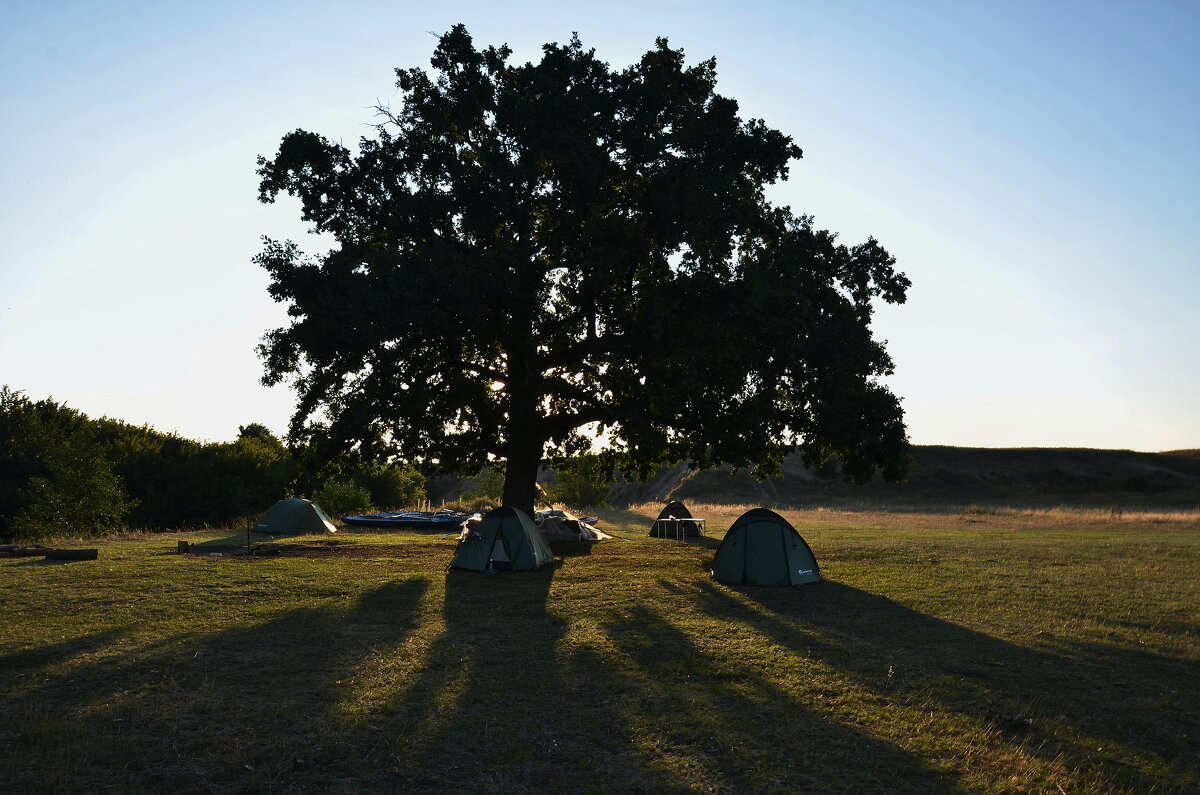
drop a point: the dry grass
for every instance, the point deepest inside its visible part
(993, 652)
(721, 515)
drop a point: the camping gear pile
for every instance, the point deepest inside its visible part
(560, 525)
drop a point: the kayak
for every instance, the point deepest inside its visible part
(439, 520)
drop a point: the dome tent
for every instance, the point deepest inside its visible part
(294, 516)
(506, 540)
(762, 548)
(673, 510)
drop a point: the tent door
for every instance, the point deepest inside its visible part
(498, 559)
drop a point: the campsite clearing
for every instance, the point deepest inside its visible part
(982, 650)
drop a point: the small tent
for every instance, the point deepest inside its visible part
(762, 548)
(673, 510)
(293, 517)
(506, 540)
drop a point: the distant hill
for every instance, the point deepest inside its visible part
(948, 476)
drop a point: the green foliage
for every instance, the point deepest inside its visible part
(828, 469)
(488, 491)
(388, 485)
(54, 478)
(491, 481)
(256, 430)
(584, 481)
(342, 496)
(591, 224)
(179, 482)
(391, 485)
(63, 473)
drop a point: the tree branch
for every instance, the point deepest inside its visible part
(572, 354)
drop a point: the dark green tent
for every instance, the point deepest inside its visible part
(506, 540)
(677, 510)
(761, 548)
(294, 516)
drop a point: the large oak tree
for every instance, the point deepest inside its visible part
(525, 252)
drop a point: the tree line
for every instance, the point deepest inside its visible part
(64, 473)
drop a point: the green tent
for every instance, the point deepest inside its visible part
(506, 540)
(761, 548)
(293, 517)
(673, 510)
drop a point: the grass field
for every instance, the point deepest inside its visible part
(984, 650)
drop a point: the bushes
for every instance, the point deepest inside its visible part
(342, 496)
(391, 485)
(62, 473)
(490, 486)
(385, 485)
(179, 482)
(54, 477)
(583, 481)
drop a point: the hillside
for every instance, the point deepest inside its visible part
(949, 476)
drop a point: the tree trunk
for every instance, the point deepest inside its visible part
(521, 480)
(520, 476)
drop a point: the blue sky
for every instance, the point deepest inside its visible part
(1033, 166)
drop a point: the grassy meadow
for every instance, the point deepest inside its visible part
(985, 650)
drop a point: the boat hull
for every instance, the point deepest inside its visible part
(411, 519)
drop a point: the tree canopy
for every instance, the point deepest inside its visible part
(527, 254)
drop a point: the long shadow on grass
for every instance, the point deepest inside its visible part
(724, 723)
(241, 709)
(572, 549)
(491, 709)
(1065, 704)
(21, 664)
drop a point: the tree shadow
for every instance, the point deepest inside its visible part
(504, 701)
(700, 542)
(1057, 704)
(243, 708)
(472, 682)
(490, 709)
(45, 562)
(19, 664)
(572, 549)
(695, 713)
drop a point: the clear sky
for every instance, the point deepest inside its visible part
(1034, 167)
